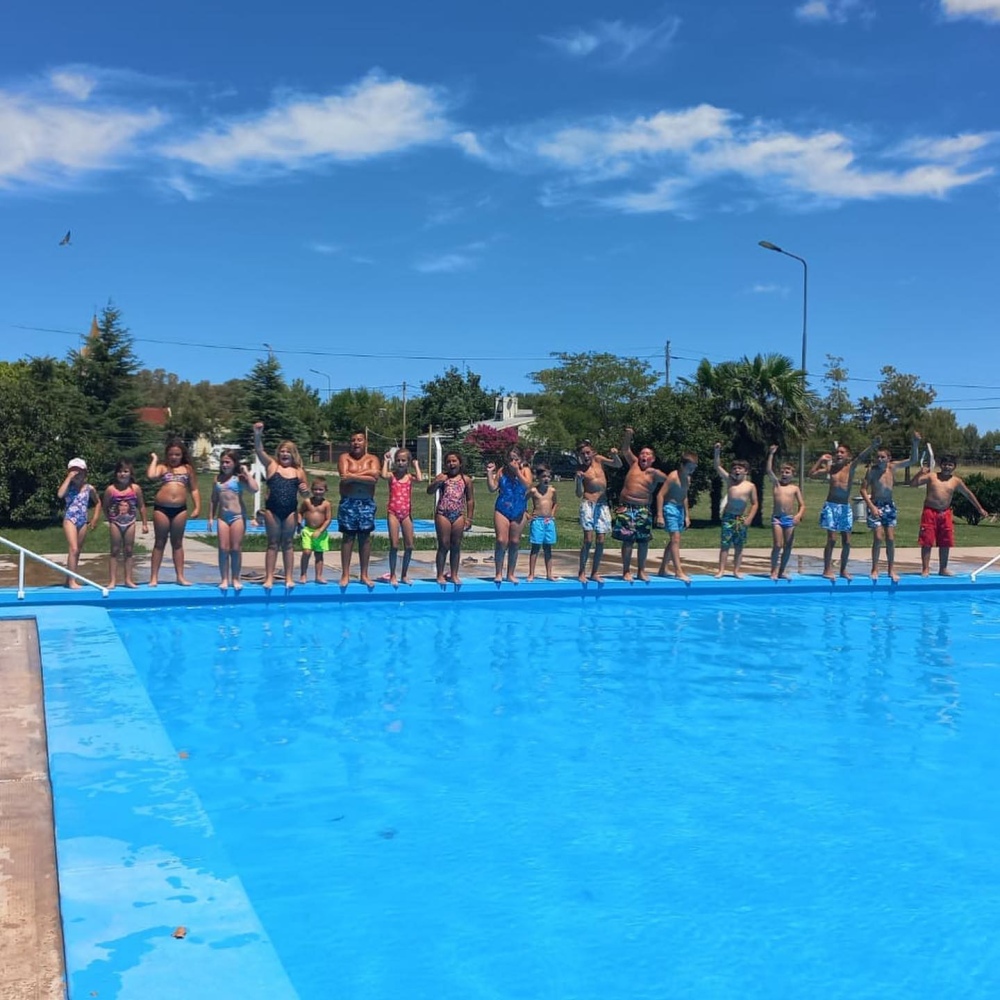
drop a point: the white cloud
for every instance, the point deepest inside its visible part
(664, 196)
(833, 11)
(372, 118)
(76, 85)
(617, 41)
(447, 263)
(46, 141)
(983, 10)
(957, 149)
(325, 248)
(763, 289)
(182, 186)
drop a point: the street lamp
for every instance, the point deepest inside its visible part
(329, 381)
(270, 351)
(805, 312)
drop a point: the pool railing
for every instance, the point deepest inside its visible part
(24, 553)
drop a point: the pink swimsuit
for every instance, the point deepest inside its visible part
(399, 497)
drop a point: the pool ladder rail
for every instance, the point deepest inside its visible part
(986, 565)
(23, 552)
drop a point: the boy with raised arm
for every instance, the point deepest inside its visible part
(633, 520)
(674, 514)
(936, 525)
(789, 508)
(837, 515)
(595, 514)
(876, 491)
(740, 510)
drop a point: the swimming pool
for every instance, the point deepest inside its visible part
(697, 797)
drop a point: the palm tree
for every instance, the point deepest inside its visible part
(756, 402)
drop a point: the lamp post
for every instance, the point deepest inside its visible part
(805, 313)
(329, 394)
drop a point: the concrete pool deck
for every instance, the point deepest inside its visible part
(31, 947)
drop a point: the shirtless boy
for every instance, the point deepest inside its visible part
(595, 515)
(741, 508)
(876, 491)
(936, 525)
(837, 515)
(543, 521)
(673, 513)
(359, 472)
(789, 508)
(317, 513)
(633, 520)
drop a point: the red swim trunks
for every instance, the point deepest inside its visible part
(936, 528)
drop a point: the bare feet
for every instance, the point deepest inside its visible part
(303, 579)
(552, 579)
(457, 581)
(498, 579)
(829, 575)
(321, 581)
(785, 576)
(131, 584)
(718, 574)
(583, 576)
(182, 582)
(111, 584)
(845, 575)
(874, 575)
(627, 577)
(406, 581)
(223, 585)
(643, 576)
(73, 584)
(237, 584)
(738, 574)
(268, 582)
(289, 583)
(894, 576)
(531, 578)
(344, 581)
(946, 572)
(683, 577)
(442, 580)
(513, 579)
(393, 581)
(925, 572)
(597, 578)
(368, 582)
(663, 572)
(774, 575)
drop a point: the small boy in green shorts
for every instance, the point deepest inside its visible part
(317, 513)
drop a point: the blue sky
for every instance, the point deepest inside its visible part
(396, 187)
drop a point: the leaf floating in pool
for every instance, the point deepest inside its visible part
(180, 932)
(183, 754)
(387, 834)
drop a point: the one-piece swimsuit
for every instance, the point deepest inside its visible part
(451, 499)
(77, 505)
(399, 497)
(282, 495)
(512, 497)
(122, 507)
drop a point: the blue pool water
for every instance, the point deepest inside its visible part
(596, 799)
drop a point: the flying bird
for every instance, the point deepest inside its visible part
(64, 242)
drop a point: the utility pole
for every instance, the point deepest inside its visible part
(667, 365)
(404, 414)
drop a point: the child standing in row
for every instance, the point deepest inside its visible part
(178, 481)
(453, 512)
(633, 520)
(228, 509)
(399, 510)
(789, 508)
(595, 514)
(674, 514)
(122, 503)
(876, 491)
(317, 513)
(79, 496)
(285, 479)
(543, 521)
(741, 503)
(511, 484)
(936, 525)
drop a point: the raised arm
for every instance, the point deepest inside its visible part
(418, 476)
(613, 461)
(387, 465)
(492, 478)
(717, 461)
(769, 465)
(626, 449)
(153, 472)
(249, 479)
(258, 447)
(862, 455)
(436, 483)
(821, 469)
(914, 458)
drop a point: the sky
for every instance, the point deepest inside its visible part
(379, 191)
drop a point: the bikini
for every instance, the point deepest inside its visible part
(399, 497)
(171, 510)
(282, 495)
(227, 513)
(451, 499)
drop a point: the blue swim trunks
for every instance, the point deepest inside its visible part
(543, 531)
(886, 518)
(783, 521)
(836, 516)
(673, 517)
(356, 515)
(734, 531)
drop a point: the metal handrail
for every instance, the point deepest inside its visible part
(22, 552)
(996, 558)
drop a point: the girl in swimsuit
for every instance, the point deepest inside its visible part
(511, 484)
(228, 508)
(454, 492)
(399, 512)
(122, 503)
(79, 495)
(170, 511)
(285, 479)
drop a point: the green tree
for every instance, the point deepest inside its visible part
(899, 407)
(355, 409)
(105, 369)
(267, 399)
(453, 401)
(44, 421)
(756, 402)
(590, 395)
